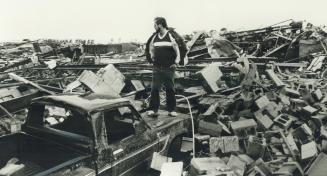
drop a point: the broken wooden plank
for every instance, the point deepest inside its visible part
(21, 79)
(274, 77)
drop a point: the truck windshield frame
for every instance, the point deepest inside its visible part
(76, 122)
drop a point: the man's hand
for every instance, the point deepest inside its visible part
(177, 60)
(173, 66)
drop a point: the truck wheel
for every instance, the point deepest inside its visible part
(174, 150)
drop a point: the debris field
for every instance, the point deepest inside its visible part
(258, 97)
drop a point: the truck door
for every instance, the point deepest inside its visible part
(130, 140)
(102, 153)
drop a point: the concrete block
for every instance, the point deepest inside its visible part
(172, 169)
(290, 168)
(291, 143)
(246, 158)
(226, 144)
(262, 168)
(209, 128)
(241, 126)
(262, 102)
(309, 150)
(297, 103)
(158, 160)
(303, 133)
(10, 169)
(318, 167)
(202, 166)
(283, 120)
(237, 165)
(137, 84)
(272, 109)
(107, 81)
(200, 137)
(292, 92)
(187, 144)
(324, 145)
(256, 147)
(285, 99)
(211, 74)
(317, 94)
(309, 110)
(263, 120)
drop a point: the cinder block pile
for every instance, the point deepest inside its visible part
(274, 128)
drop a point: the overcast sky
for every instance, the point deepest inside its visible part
(102, 20)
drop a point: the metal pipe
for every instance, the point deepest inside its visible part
(6, 111)
(192, 122)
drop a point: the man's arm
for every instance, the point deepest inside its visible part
(175, 46)
(151, 48)
(147, 49)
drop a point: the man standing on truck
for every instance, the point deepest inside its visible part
(163, 51)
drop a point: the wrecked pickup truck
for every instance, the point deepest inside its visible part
(89, 135)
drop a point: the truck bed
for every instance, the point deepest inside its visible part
(37, 155)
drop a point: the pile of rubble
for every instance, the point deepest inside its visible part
(267, 117)
(271, 123)
(258, 96)
(277, 130)
(31, 69)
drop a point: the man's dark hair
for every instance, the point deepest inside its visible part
(162, 21)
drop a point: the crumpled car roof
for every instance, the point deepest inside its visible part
(87, 102)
